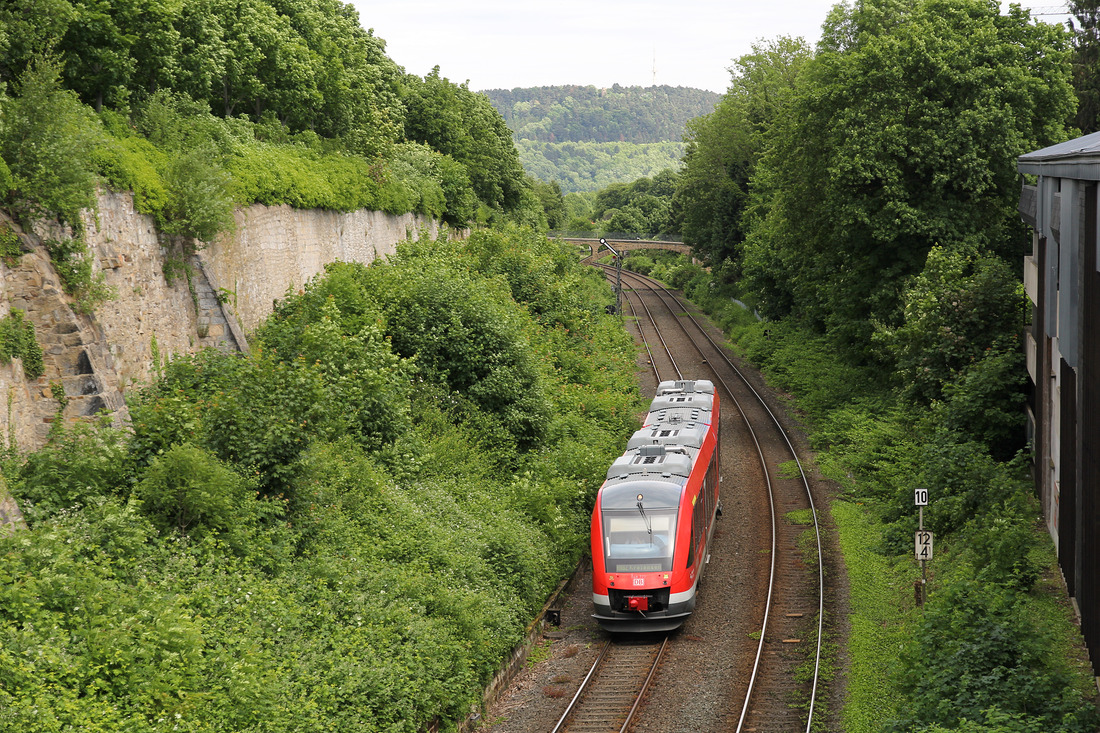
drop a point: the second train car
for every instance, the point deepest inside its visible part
(655, 513)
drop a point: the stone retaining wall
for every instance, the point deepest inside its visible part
(210, 299)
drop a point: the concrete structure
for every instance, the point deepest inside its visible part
(1059, 200)
(626, 245)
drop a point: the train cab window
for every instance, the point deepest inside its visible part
(637, 543)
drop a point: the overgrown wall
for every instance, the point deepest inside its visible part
(277, 247)
(95, 359)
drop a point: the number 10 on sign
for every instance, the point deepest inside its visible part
(924, 545)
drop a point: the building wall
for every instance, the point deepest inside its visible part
(1063, 343)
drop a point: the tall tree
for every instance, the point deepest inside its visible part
(902, 139)
(1085, 26)
(724, 146)
(464, 125)
(30, 29)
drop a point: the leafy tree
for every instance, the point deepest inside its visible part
(641, 207)
(903, 139)
(463, 334)
(963, 307)
(552, 201)
(46, 139)
(459, 123)
(725, 146)
(96, 47)
(30, 29)
(1085, 29)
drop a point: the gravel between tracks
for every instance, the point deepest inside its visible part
(711, 657)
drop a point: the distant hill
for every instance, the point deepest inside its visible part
(587, 114)
(593, 166)
(587, 138)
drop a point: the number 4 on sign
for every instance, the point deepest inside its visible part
(924, 545)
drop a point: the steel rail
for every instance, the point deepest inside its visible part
(805, 484)
(645, 686)
(574, 705)
(645, 341)
(657, 330)
(580, 690)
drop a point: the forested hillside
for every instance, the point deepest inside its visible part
(586, 138)
(587, 114)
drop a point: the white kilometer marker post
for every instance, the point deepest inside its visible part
(923, 544)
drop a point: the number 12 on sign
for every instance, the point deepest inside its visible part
(924, 545)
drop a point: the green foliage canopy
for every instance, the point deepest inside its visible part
(640, 115)
(724, 147)
(904, 138)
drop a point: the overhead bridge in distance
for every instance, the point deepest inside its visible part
(621, 242)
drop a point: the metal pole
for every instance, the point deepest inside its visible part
(923, 575)
(618, 275)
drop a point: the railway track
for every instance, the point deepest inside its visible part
(612, 691)
(791, 614)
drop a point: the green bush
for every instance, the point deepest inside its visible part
(79, 464)
(132, 163)
(190, 492)
(198, 203)
(46, 140)
(974, 650)
(963, 305)
(17, 338)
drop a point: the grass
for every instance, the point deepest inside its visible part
(1048, 607)
(880, 610)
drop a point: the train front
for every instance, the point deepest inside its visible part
(634, 536)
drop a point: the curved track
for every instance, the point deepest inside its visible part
(794, 597)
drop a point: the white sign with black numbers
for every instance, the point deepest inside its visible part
(920, 497)
(924, 545)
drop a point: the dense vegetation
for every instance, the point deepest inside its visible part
(861, 197)
(587, 114)
(586, 138)
(1085, 23)
(200, 105)
(589, 166)
(347, 529)
(641, 208)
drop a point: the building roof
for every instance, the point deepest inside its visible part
(1078, 158)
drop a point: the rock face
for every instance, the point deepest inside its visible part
(164, 302)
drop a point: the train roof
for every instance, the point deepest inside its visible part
(687, 434)
(653, 494)
(671, 463)
(702, 386)
(682, 398)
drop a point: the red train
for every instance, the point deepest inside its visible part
(654, 515)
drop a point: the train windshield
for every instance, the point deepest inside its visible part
(639, 543)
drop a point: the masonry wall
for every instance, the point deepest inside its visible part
(222, 293)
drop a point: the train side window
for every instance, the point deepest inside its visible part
(691, 547)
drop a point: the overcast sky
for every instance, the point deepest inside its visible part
(501, 44)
